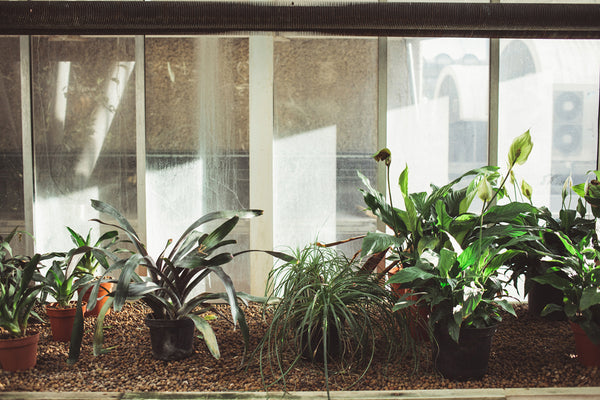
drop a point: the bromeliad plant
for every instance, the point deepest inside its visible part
(89, 263)
(326, 308)
(60, 284)
(18, 290)
(170, 287)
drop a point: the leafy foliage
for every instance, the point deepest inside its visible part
(449, 255)
(59, 284)
(325, 309)
(579, 280)
(169, 288)
(18, 291)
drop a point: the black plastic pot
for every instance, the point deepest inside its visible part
(312, 349)
(467, 359)
(172, 339)
(539, 296)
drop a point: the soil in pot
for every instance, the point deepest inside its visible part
(588, 353)
(467, 359)
(19, 354)
(171, 339)
(61, 321)
(105, 288)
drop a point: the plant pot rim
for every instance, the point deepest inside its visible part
(7, 337)
(72, 304)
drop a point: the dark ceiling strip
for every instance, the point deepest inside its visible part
(356, 19)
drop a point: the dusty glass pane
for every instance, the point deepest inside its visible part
(197, 138)
(325, 96)
(437, 108)
(11, 158)
(551, 88)
(84, 133)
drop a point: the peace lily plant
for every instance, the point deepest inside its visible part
(450, 256)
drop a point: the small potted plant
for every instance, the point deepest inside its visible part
(169, 288)
(90, 264)
(577, 276)
(18, 295)
(62, 287)
(326, 308)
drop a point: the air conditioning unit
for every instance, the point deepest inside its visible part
(574, 123)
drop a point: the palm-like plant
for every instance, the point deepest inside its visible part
(169, 288)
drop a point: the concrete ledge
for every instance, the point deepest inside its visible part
(584, 393)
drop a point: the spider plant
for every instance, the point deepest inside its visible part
(326, 309)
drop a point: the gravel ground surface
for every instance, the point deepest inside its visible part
(526, 352)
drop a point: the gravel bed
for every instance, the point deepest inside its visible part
(526, 352)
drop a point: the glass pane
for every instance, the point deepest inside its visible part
(84, 133)
(551, 88)
(325, 93)
(437, 109)
(11, 158)
(197, 138)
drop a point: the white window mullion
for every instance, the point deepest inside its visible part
(27, 137)
(261, 157)
(140, 134)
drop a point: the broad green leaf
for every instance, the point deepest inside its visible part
(376, 242)
(589, 297)
(447, 260)
(579, 189)
(553, 280)
(208, 334)
(410, 274)
(506, 306)
(520, 149)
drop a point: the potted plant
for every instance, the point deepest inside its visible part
(18, 294)
(169, 290)
(573, 223)
(62, 287)
(442, 218)
(579, 282)
(326, 309)
(90, 264)
(454, 271)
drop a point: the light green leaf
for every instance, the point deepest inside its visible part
(589, 297)
(403, 181)
(520, 149)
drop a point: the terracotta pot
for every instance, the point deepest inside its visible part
(588, 353)
(61, 321)
(19, 354)
(105, 288)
